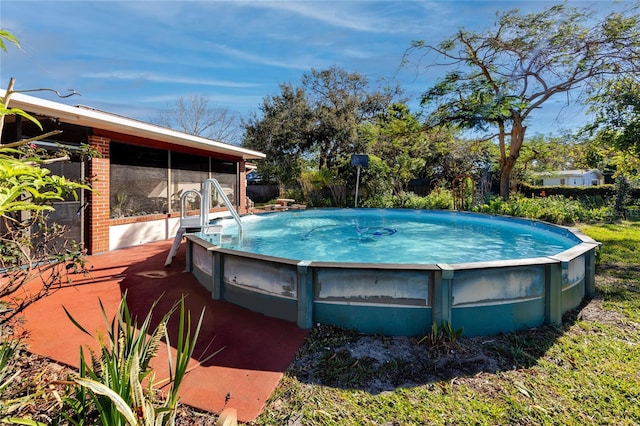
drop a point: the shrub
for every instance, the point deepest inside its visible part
(438, 199)
(555, 209)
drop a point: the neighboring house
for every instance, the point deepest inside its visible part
(570, 178)
(138, 178)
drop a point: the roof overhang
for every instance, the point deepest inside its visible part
(89, 117)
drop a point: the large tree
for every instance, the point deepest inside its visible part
(194, 116)
(498, 78)
(283, 132)
(397, 139)
(617, 114)
(341, 101)
(316, 123)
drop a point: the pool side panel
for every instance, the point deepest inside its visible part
(201, 265)
(273, 306)
(573, 283)
(280, 280)
(375, 319)
(365, 285)
(373, 300)
(494, 319)
(495, 300)
(262, 286)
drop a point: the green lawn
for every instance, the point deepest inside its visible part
(585, 372)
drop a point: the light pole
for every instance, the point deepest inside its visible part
(359, 160)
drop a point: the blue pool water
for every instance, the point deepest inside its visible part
(392, 236)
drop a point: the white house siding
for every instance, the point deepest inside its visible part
(571, 178)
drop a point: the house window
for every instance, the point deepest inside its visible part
(561, 181)
(226, 173)
(148, 181)
(187, 172)
(594, 182)
(138, 180)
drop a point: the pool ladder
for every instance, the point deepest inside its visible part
(201, 222)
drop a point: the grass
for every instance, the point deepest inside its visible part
(582, 373)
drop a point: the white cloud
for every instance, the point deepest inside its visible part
(266, 59)
(159, 78)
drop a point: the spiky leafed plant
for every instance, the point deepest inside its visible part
(120, 379)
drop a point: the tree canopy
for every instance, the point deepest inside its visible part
(500, 77)
(617, 109)
(317, 122)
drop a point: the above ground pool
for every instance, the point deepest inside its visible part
(396, 271)
(392, 236)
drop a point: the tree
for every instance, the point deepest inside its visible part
(500, 77)
(616, 126)
(341, 102)
(397, 138)
(283, 133)
(195, 117)
(316, 123)
(550, 153)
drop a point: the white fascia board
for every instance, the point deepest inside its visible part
(86, 116)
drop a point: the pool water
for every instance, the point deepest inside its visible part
(392, 236)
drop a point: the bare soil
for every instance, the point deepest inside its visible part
(336, 357)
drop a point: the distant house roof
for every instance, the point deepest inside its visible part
(91, 117)
(576, 172)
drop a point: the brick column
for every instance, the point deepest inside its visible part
(242, 190)
(98, 239)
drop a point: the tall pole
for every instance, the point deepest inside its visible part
(357, 184)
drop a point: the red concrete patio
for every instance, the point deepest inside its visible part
(256, 350)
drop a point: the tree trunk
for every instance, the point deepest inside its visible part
(507, 163)
(505, 177)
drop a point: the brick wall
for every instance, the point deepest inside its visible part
(98, 238)
(242, 204)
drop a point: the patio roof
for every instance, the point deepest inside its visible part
(91, 117)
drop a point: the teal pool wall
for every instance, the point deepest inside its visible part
(483, 298)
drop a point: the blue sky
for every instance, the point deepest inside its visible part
(136, 57)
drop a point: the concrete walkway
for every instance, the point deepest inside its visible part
(256, 350)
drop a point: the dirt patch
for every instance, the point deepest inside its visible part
(336, 357)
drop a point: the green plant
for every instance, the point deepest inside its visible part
(439, 199)
(443, 335)
(623, 190)
(121, 198)
(14, 397)
(451, 335)
(555, 209)
(27, 192)
(7, 351)
(114, 377)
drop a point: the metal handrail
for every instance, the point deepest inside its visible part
(206, 204)
(183, 202)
